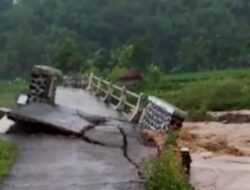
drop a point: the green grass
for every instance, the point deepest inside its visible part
(7, 156)
(9, 90)
(165, 173)
(200, 92)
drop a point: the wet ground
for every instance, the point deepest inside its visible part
(220, 153)
(220, 172)
(108, 157)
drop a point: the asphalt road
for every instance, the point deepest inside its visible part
(108, 160)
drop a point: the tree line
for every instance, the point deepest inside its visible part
(108, 35)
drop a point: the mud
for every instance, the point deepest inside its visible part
(232, 139)
(220, 153)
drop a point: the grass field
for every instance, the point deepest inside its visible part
(9, 90)
(7, 155)
(200, 92)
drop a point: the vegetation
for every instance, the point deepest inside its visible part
(161, 38)
(9, 91)
(166, 173)
(177, 36)
(203, 91)
(7, 155)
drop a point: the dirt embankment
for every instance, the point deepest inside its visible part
(240, 116)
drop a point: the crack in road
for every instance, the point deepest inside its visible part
(124, 147)
(90, 140)
(87, 139)
(125, 152)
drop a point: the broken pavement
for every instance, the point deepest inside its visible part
(108, 156)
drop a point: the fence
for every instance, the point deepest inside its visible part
(76, 81)
(121, 99)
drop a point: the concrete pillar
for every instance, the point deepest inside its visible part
(43, 83)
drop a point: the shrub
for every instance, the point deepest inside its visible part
(171, 138)
(211, 95)
(165, 173)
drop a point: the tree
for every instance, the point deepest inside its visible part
(136, 54)
(67, 56)
(177, 35)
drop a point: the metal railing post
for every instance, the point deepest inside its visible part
(135, 117)
(106, 99)
(120, 104)
(98, 86)
(81, 82)
(90, 81)
(106, 89)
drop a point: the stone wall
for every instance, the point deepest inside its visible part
(43, 83)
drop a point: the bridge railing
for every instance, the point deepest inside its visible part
(131, 104)
(119, 97)
(76, 81)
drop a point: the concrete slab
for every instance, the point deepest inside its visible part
(84, 101)
(62, 118)
(107, 135)
(63, 163)
(5, 124)
(46, 162)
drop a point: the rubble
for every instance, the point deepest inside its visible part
(5, 124)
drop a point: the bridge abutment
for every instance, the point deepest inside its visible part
(43, 84)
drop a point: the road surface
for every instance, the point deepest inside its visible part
(108, 160)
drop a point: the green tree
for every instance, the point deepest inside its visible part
(67, 56)
(135, 54)
(180, 35)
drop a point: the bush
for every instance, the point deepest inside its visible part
(171, 138)
(211, 95)
(199, 115)
(165, 173)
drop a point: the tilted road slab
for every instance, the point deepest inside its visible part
(56, 116)
(108, 157)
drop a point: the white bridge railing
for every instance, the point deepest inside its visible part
(121, 99)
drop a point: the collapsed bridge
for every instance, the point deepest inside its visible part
(106, 153)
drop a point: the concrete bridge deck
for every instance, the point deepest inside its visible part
(109, 159)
